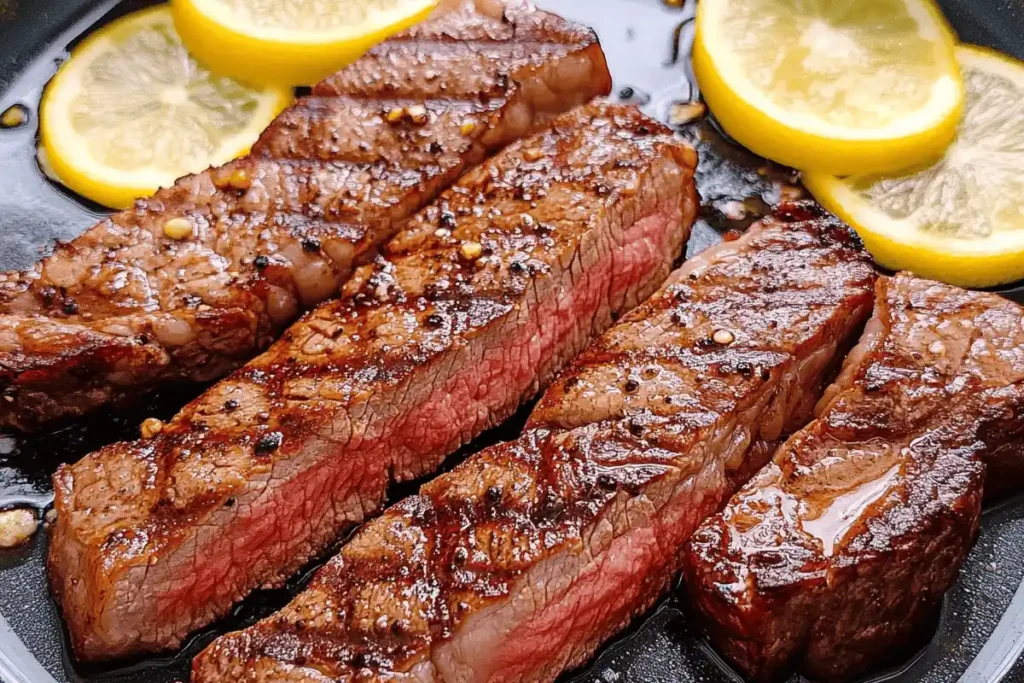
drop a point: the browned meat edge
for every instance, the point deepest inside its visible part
(520, 562)
(124, 308)
(835, 555)
(469, 312)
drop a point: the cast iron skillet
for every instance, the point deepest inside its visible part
(979, 632)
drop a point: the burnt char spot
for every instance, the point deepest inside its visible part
(261, 262)
(311, 244)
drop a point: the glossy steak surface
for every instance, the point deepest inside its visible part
(835, 555)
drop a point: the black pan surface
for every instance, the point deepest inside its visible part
(978, 634)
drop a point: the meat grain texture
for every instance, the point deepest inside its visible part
(837, 553)
(468, 312)
(519, 563)
(125, 308)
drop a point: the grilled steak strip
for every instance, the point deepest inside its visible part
(472, 308)
(520, 562)
(124, 308)
(838, 551)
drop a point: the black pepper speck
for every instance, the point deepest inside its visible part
(269, 443)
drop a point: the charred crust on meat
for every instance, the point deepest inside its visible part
(494, 494)
(550, 508)
(231, 405)
(310, 244)
(261, 262)
(424, 514)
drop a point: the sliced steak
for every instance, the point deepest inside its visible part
(837, 552)
(124, 308)
(469, 312)
(520, 562)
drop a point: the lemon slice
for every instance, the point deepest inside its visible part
(290, 42)
(131, 112)
(840, 87)
(961, 220)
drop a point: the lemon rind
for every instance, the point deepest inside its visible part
(288, 58)
(217, 12)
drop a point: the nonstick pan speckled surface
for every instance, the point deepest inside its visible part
(979, 633)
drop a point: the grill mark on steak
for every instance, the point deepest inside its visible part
(468, 312)
(123, 308)
(521, 561)
(840, 550)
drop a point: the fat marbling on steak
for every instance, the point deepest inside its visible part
(836, 553)
(469, 311)
(520, 562)
(124, 308)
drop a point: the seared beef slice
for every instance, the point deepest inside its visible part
(124, 308)
(469, 312)
(520, 562)
(838, 551)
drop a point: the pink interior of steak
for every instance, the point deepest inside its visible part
(427, 348)
(520, 562)
(125, 307)
(841, 548)
(339, 487)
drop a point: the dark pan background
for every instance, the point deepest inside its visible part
(979, 633)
